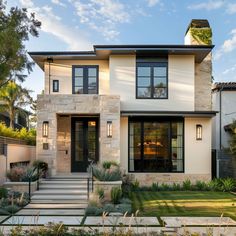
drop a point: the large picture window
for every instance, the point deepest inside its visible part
(151, 80)
(85, 79)
(155, 145)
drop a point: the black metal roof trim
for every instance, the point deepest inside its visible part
(172, 113)
(64, 53)
(151, 46)
(225, 86)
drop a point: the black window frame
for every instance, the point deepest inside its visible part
(156, 119)
(54, 89)
(152, 63)
(85, 78)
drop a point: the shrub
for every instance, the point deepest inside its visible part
(93, 211)
(154, 187)
(135, 185)
(11, 209)
(227, 184)
(109, 208)
(176, 187)
(42, 165)
(16, 174)
(108, 164)
(187, 185)
(3, 192)
(102, 174)
(116, 194)
(28, 136)
(100, 193)
(123, 208)
(201, 186)
(214, 185)
(164, 187)
(125, 201)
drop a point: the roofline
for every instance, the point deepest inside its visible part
(123, 47)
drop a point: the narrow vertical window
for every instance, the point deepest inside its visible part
(55, 85)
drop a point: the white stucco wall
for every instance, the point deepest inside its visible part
(124, 143)
(62, 70)
(180, 84)
(197, 152)
(228, 114)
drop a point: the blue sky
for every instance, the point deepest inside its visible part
(79, 24)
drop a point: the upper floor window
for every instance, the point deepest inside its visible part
(55, 85)
(85, 79)
(152, 80)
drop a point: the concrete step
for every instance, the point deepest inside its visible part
(56, 206)
(65, 187)
(58, 197)
(60, 192)
(64, 182)
(58, 201)
(52, 212)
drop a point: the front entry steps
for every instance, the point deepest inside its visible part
(62, 190)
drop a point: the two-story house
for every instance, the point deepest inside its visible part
(147, 107)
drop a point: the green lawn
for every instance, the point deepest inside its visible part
(184, 203)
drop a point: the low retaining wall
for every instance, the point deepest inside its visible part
(22, 187)
(106, 186)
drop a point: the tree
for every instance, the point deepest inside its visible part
(15, 28)
(13, 97)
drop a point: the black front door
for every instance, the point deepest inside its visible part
(84, 142)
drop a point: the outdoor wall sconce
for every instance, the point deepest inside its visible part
(109, 129)
(45, 129)
(198, 132)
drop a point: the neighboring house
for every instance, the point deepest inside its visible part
(21, 118)
(145, 106)
(223, 100)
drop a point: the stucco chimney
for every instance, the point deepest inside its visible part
(198, 33)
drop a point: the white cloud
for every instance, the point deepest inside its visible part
(52, 24)
(59, 3)
(102, 15)
(231, 8)
(228, 46)
(152, 3)
(210, 5)
(230, 70)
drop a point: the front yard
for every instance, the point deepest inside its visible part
(184, 203)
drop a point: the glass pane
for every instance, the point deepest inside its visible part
(79, 90)
(79, 81)
(79, 71)
(79, 137)
(135, 128)
(92, 72)
(159, 71)
(160, 93)
(144, 81)
(135, 153)
(92, 140)
(92, 81)
(159, 82)
(144, 92)
(92, 90)
(144, 71)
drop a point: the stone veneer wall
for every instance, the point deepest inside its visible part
(49, 106)
(146, 179)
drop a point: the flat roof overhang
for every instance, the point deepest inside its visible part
(170, 113)
(102, 52)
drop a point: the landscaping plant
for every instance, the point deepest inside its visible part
(102, 174)
(116, 194)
